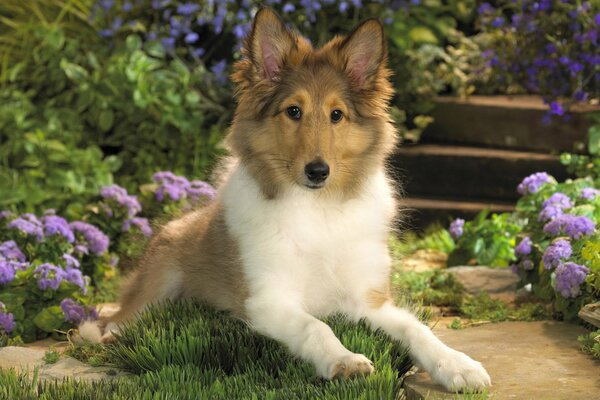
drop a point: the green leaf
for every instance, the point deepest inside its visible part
(49, 319)
(106, 119)
(74, 72)
(133, 42)
(55, 38)
(422, 34)
(594, 140)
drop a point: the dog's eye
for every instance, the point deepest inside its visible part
(294, 112)
(336, 116)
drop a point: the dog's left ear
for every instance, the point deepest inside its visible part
(269, 42)
(365, 52)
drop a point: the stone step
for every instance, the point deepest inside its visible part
(470, 173)
(514, 122)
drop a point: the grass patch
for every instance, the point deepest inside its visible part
(435, 287)
(187, 351)
(51, 356)
(590, 343)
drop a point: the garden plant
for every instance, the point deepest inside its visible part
(112, 118)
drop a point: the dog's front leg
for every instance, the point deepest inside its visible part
(451, 368)
(283, 319)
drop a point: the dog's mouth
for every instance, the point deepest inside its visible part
(314, 186)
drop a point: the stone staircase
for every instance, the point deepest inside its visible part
(476, 153)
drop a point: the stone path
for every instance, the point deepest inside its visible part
(26, 359)
(526, 360)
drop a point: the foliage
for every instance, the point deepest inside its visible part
(484, 241)
(545, 47)
(45, 265)
(51, 356)
(587, 165)
(434, 238)
(590, 343)
(436, 287)
(559, 245)
(207, 32)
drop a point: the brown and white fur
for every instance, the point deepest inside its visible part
(280, 248)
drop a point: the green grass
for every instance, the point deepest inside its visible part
(187, 351)
(590, 343)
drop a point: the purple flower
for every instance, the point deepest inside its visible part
(174, 186)
(526, 264)
(200, 189)
(28, 224)
(569, 276)
(456, 228)
(561, 249)
(7, 272)
(485, 8)
(191, 37)
(74, 313)
(553, 207)
(219, 69)
(95, 240)
(55, 225)
(49, 276)
(533, 182)
(597, 19)
(141, 223)
(524, 247)
(289, 7)
(573, 226)
(72, 262)
(121, 197)
(589, 193)
(498, 22)
(10, 251)
(75, 276)
(6, 214)
(187, 8)
(7, 320)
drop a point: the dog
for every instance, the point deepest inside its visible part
(300, 226)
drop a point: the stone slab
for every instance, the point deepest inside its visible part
(526, 360)
(499, 283)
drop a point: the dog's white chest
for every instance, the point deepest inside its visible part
(313, 247)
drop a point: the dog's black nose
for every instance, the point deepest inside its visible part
(316, 171)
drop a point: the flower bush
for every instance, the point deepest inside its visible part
(44, 279)
(49, 266)
(557, 251)
(545, 47)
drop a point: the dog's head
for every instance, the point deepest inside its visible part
(314, 118)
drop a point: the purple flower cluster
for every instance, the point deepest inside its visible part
(141, 223)
(556, 252)
(456, 228)
(94, 239)
(554, 206)
(49, 276)
(573, 226)
(556, 48)
(568, 279)
(7, 320)
(524, 247)
(532, 183)
(55, 225)
(75, 313)
(589, 193)
(177, 187)
(28, 224)
(119, 196)
(10, 251)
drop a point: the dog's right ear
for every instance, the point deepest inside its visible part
(268, 43)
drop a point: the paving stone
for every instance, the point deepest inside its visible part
(499, 283)
(526, 360)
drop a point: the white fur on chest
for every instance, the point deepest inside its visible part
(315, 249)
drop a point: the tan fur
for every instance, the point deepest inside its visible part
(275, 149)
(378, 297)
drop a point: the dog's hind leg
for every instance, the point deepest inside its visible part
(153, 283)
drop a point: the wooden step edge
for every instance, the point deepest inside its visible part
(523, 102)
(454, 205)
(436, 150)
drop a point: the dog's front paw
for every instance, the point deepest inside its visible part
(457, 372)
(349, 366)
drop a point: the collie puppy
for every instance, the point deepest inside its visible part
(301, 223)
